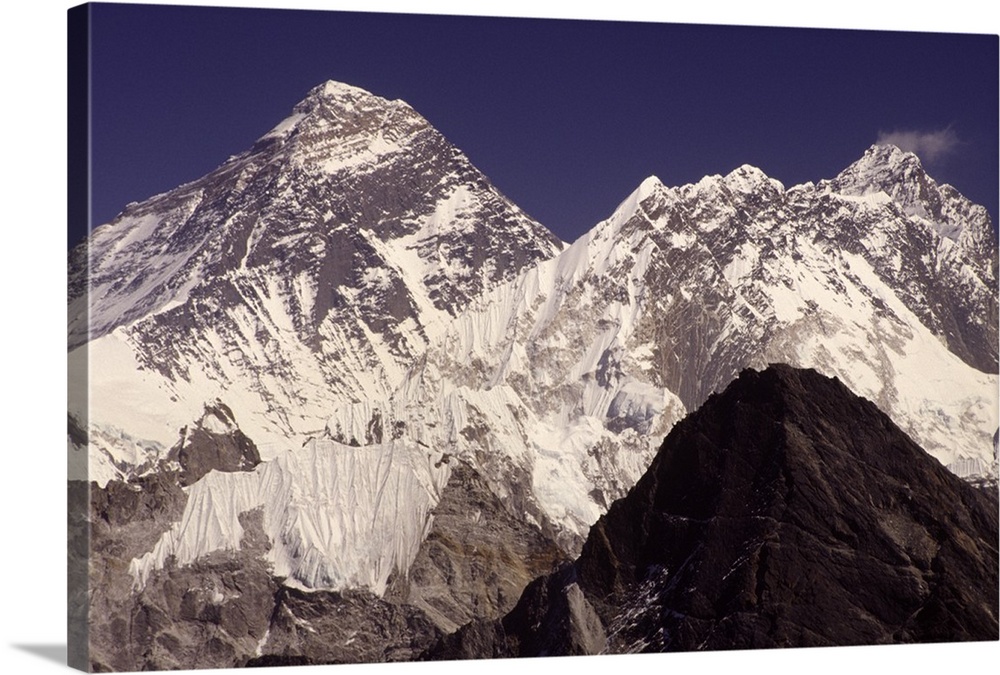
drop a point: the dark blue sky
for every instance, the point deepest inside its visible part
(565, 116)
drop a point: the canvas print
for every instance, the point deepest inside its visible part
(400, 337)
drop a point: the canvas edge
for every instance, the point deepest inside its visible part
(78, 34)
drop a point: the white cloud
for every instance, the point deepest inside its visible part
(928, 145)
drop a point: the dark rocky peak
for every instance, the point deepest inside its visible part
(787, 511)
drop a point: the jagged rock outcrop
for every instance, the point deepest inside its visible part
(349, 627)
(552, 618)
(212, 613)
(226, 609)
(215, 443)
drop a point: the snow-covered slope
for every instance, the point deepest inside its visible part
(601, 349)
(336, 516)
(307, 272)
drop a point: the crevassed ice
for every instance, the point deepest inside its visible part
(337, 516)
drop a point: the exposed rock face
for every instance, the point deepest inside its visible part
(552, 618)
(786, 512)
(156, 497)
(214, 443)
(477, 559)
(212, 613)
(228, 608)
(350, 627)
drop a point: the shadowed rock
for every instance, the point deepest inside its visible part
(214, 443)
(786, 512)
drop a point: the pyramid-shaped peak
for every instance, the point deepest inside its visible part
(887, 168)
(884, 167)
(900, 175)
(340, 95)
(778, 453)
(337, 112)
(334, 89)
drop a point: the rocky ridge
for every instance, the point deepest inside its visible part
(690, 285)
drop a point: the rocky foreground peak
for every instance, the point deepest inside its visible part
(789, 512)
(785, 512)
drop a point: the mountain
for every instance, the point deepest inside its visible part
(344, 369)
(893, 291)
(306, 272)
(213, 329)
(785, 512)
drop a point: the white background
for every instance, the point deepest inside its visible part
(32, 370)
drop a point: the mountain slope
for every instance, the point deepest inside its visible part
(601, 349)
(684, 287)
(307, 271)
(785, 512)
(314, 337)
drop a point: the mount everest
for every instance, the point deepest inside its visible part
(371, 314)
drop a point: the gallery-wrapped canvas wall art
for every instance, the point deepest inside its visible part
(419, 337)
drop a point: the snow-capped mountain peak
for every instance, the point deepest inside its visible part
(649, 185)
(339, 127)
(332, 89)
(747, 179)
(307, 272)
(901, 176)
